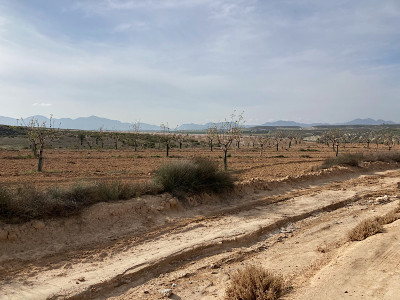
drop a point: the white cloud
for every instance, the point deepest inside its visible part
(42, 104)
(188, 61)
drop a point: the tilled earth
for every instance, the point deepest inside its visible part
(65, 167)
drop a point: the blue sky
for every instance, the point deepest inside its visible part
(182, 61)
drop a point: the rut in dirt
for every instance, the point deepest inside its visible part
(139, 262)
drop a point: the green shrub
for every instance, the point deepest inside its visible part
(193, 176)
(255, 283)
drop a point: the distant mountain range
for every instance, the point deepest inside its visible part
(368, 121)
(94, 123)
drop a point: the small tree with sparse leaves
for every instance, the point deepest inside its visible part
(227, 132)
(135, 127)
(40, 134)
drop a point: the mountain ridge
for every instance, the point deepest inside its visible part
(95, 122)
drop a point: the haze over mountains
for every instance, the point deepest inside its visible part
(94, 123)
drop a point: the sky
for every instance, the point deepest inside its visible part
(196, 61)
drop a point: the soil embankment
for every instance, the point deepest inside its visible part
(132, 249)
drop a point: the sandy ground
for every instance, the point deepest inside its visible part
(132, 249)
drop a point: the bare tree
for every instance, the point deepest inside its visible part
(180, 137)
(100, 137)
(39, 134)
(211, 133)
(89, 141)
(116, 137)
(135, 126)
(261, 140)
(81, 137)
(167, 137)
(227, 132)
(278, 136)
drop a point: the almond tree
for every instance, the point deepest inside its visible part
(136, 132)
(39, 134)
(211, 133)
(261, 140)
(278, 136)
(115, 135)
(227, 132)
(166, 137)
(180, 137)
(89, 141)
(100, 137)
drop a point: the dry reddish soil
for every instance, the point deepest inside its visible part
(64, 167)
(282, 216)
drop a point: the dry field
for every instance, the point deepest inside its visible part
(282, 216)
(63, 167)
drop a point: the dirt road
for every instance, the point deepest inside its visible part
(134, 249)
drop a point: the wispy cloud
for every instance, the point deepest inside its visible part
(42, 104)
(194, 60)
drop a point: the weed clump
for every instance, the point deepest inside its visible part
(373, 225)
(192, 176)
(365, 229)
(255, 283)
(26, 202)
(355, 159)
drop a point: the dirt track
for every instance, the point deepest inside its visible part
(132, 249)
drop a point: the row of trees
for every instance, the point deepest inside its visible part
(226, 133)
(337, 137)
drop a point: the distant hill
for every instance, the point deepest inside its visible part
(83, 123)
(368, 121)
(94, 123)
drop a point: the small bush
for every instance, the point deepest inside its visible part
(254, 283)
(194, 176)
(353, 160)
(365, 229)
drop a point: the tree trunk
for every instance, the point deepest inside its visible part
(180, 145)
(225, 160)
(261, 150)
(34, 149)
(337, 149)
(40, 161)
(167, 149)
(211, 146)
(135, 146)
(277, 146)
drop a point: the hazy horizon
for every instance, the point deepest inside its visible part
(195, 61)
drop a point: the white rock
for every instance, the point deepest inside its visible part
(166, 292)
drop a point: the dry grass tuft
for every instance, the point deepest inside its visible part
(255, 283)
(26, 202)
(365, 229)
(355, 159)
(374, 225)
